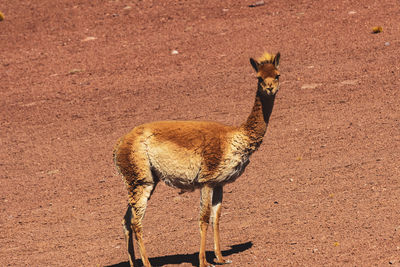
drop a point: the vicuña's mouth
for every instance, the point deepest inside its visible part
(269, 91)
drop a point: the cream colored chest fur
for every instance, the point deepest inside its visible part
(235, 160)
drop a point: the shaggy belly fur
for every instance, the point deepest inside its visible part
(186, 171)
(179, 169)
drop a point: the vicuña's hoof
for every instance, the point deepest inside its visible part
(206, 264)
(223, 261)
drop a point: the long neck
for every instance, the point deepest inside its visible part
(256, 124)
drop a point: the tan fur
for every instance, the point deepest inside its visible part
(266, 58)
(190, 155)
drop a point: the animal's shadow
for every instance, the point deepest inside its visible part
(187, 258)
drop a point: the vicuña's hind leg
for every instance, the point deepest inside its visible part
(215, 215)
(138, 201)
(126, 223)
(205, 211)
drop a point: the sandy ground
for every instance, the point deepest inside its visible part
(323, 189)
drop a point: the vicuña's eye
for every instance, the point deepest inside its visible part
(277, 77)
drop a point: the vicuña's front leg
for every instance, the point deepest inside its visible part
(205, 212)
(216, 214)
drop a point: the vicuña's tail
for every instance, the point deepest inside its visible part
(115, 154)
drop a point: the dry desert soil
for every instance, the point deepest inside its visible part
(322, 190)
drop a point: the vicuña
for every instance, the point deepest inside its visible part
(190, 155)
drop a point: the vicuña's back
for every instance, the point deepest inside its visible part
(190, 155)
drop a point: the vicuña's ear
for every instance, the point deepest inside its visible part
(276, 59)
(255, 64)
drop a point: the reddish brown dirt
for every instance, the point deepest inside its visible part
(323, 190)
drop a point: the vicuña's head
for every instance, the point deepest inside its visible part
(267, 73)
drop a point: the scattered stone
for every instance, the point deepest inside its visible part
(392, 262)
(73, 71)
(29, 104)
(258, 3)
(225, 10)
(352, 12)
(377, 29)
(89, 38)
(349, 82)
(178, 199)
(174, 52)
(1, 16)
(310, 86)
(387, 43)
(53, 172)
(127, 7)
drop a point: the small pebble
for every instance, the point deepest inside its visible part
(387, 44)
(258, 3)
(174, 52)
(89, 38)
(73, 71)
(377, 29)
(311, 86)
